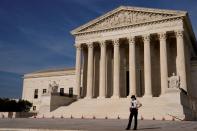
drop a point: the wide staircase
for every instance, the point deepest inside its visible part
(166, 107)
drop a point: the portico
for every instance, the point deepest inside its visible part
(130, 51)
(129, 63)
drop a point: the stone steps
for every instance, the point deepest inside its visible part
(157, 107)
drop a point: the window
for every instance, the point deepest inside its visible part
(44, 91)
(70, 92)
(35, 93)
(61, 91)
(34, 108)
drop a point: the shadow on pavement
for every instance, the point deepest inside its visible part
(149, 128)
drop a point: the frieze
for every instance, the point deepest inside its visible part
(89, 36)
(95, 34)
(136, 28)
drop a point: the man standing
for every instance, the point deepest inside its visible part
(133, 112)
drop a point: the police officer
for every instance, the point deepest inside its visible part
(133, 112)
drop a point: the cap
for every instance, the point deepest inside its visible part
(133, 96)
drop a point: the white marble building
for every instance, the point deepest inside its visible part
(128, 51)
(36, 85)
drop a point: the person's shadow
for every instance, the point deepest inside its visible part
(149, 128)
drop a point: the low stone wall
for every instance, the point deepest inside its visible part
(3, 114)
(17, 114)
(24, 114)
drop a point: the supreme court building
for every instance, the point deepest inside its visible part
(133, 51)
(150, 53)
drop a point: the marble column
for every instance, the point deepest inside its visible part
(102, 84)
(163, 63)
(181, 64)
(147, 66)
(132, 67)
(85, 67)
(90, 71)
(78, 69)
(116, 90)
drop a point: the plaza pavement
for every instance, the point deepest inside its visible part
(35, 124)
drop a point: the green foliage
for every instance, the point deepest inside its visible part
(7, 105)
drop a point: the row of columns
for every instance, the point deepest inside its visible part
(181, 69)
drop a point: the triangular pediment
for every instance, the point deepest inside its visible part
(124, 16)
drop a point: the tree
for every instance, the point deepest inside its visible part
(24, 105)
(7, 105)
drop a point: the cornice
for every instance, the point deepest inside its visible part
(131, 26)
(154, 10)
(48, 75)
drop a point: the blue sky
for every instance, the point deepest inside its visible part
(35, 34)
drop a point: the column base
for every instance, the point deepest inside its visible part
(78, 97)
(88, 97)
(162, 95)
(115, 97)
(147, 96)
(101, 97)
(129, 96)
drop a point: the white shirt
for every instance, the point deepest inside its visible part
(135, 104)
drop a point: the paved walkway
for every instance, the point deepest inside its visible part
(34, 124)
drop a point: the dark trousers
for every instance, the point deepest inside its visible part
(133, 112)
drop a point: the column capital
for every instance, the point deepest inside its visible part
(179, 33)
(90, 45)
(102, 43)
(131, 39)
(162, 35)
(116, 42)
(146, 37)
(78, 46)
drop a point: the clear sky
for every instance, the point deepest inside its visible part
(35, 34)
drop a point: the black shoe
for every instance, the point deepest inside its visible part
(134, 129)
(127, 129)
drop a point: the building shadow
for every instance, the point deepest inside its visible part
(58, 100)
(188, 107)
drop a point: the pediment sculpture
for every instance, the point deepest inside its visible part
(174, 81)
(125, 16)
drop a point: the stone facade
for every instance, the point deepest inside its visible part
(151, 43)
(132, 51)
(65, 78)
